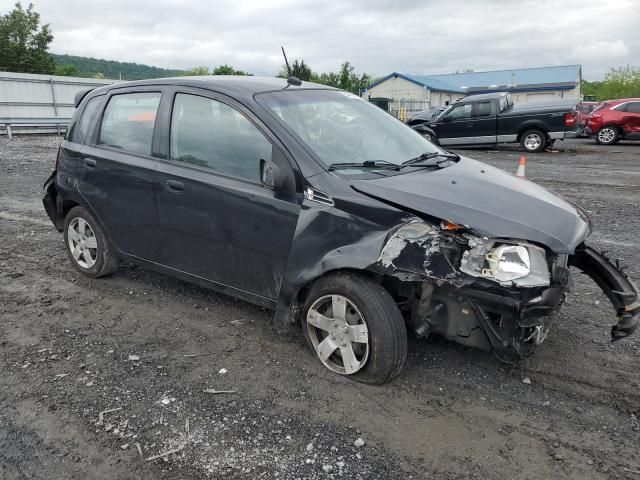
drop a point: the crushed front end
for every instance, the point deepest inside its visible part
(500, 295)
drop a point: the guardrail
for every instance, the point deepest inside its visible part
(54, 122)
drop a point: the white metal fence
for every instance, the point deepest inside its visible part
(401, 108)
(39, 103)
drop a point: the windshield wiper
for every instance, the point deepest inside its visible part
(417, 161)
(378, 164)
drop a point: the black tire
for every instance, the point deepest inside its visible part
(607, 135)
(106, 261)
(533, 140)
(429, 136)
(387, 334)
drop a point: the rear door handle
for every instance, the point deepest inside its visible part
(90, 162)
(174, 186)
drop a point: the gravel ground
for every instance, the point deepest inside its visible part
(143, 349)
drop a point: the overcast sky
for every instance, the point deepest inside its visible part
(376, 36)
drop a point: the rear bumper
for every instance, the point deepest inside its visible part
(52, 203)
(619, 289)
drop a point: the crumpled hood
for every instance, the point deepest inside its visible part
(486, 199)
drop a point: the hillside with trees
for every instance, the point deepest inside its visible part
(96, 67)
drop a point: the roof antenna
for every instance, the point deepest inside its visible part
(291, 80)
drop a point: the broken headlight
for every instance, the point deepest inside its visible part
(519, 264)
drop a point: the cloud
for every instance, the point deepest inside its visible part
(376, 36)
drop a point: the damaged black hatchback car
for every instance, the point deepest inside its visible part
(312, 202)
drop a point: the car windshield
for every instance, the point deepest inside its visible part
(342, 128)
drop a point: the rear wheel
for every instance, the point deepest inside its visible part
(355, 328)
(429, 136)
(607, 136)
(87, 246)
(533, 141)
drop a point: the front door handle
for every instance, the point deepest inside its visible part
(90, 162)
(174, 186)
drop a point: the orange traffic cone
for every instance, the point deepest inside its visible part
(521, 166)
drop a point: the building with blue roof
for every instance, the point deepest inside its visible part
(418, 92)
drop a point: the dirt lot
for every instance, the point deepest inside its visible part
(149, 346)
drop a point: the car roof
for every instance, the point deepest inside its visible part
(618, 101)
(243, 86)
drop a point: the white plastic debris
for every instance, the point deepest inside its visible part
(134, 358)
(310, 447)
(359, 442)
(526, 380)
(222, 371)
(217, 392)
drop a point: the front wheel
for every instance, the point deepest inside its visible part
(533, 141)
(607, 136)
(355, 328)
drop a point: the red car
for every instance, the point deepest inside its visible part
(616, 120)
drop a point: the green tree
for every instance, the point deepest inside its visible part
(345, 79)
(67, 70)
(620, 82)
(24, 43)
(196, 71)
(227, 70)
(299, 69)
(219, 70)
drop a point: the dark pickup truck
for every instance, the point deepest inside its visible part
(492, 118)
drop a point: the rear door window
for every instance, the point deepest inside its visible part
(633, 107)
(212, 134)
(483, 109)
(128, 121)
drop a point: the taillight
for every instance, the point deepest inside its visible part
(569, 120)
(55, 165)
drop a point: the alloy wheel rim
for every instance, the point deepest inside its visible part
(606, 135)
(82, 242)
(339, 334)
(532, 141)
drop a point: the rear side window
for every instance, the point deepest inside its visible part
(211, 134)
(79, 129)
(89, 112)
(128, 121)
(483, 109)
(633, 107)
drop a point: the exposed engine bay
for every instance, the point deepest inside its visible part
(499, 295)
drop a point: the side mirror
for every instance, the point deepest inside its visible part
(271, 175)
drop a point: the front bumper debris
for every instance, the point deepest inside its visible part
(619, 289)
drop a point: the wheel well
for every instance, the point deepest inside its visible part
(614, 126)
(531, 127)
(66, 206)
(400, 291)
